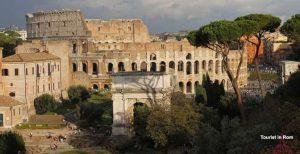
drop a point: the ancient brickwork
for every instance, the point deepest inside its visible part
(118, 30)
(56, 24)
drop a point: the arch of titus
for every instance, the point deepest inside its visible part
(92, 50)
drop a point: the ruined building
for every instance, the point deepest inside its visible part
(91, 50)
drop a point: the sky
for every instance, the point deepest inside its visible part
(159, 15)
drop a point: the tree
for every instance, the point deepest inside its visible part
(263, 23)
(44, 103)
(218, 36)
(140, 115)
(201, 96)
(78, 93)
(9, 40)
(11, 142)
(291, 28)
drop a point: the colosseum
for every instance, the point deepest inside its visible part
(91, 50)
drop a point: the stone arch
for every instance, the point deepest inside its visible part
(153, 67)
(217, 67)
(223, 82)
(95, 68)
(188, 56)
(84, 67)
(196, 67)
(181, 86)
(204, 65)
(188, 68)
(95, 87)
(106, 87)
(110, 68)
(152, 56)
(74, 67)
(162, 66)
(144, 66)
(189, 87)
(180, 66)
(121, 67)
(210, 66)
(172, 65)
(133, 66)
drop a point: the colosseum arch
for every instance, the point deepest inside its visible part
(181, 86)
(210, 66)
(172, 65)
(95, 87)
(153, 56)
(180, 66)
(196, 67)
(217, 67)
(133, 66)
(189, 87)
(188, 56)
(121, 67)
(204, 65)
(95, 68)
(162, 66)
(153, 67)
(84, 67)
(110, 68)
(188, 68)
(144, 66)
(74, 66)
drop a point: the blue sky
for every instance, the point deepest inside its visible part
(159, 15)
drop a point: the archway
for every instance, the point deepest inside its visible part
(153, 56)
(180, 66)
(95, 87)
(133, 66)
(188, 68)
(121, 67)
(210, 66)
(196, 67)
(172, 65)
(204, 65)
(189, 87)
(95, 68)
(110, 68)
(84, 67)
(162, 66)
(188, 56)
(74, 67)
(144, 67)
(106, 87)
(153, 67)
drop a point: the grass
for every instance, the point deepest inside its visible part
(265, 76)
(39, 126)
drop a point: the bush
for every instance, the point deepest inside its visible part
(11, 142)
(44, 103)
(78, 94)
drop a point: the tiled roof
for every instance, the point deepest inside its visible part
(28, 57)
(6, 101)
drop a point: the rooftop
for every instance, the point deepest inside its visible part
(6, 101)
(29, 57)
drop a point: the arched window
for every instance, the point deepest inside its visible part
(204, 65)
(121, 67)
(162, 66)
(133, 66)
(172, 65)
(74, 49)
(37, 70)
(74, 67)
(110, 68)
(106, 87)
(144, 67)
(12, 94)
(217, 68)
(188, 87)
(188, 68)
(95, 68)
(153, 67)
(196, 67)
(181, 86)
(188, 56)
(95, 87)
(84, 67)
(180, 66)
(210, 66)
(49, 69)
(153, 56)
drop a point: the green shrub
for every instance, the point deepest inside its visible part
(78, 94)
(44, 103)
(11, 143)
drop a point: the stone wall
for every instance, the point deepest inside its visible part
(56, 24)
(118, 30)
